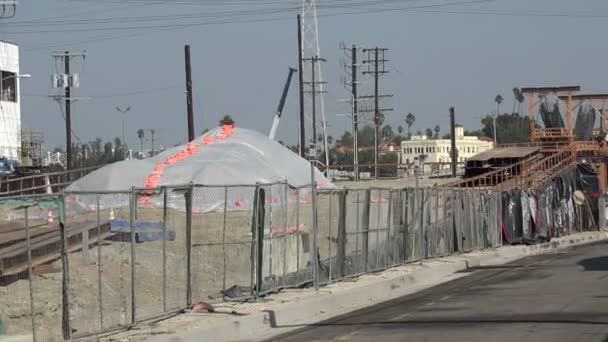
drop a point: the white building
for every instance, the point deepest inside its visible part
(10, 112)
(421, 149)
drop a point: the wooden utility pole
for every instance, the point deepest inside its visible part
(355, 111)
(377, 119)
(66, 80)
(189, 103)
(301, 89)
(68, 114)
(453, 152)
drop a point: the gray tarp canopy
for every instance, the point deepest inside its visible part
(222, 156)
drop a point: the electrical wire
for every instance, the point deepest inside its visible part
(102, 38)
(236, 14)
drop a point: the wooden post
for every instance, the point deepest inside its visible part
(341, 236)
(603, 121)
(570, 119)
(531, 115)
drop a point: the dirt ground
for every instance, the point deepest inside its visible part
(100, 283)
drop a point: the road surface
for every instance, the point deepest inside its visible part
(561, 296)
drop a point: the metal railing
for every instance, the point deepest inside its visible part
(42, 183)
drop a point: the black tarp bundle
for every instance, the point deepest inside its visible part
(549, 112)
(585, 121)
(549, 210)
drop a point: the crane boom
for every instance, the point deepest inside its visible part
(277, 114)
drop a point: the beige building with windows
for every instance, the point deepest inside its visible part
(422, 150)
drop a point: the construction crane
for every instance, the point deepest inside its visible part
(277, 114)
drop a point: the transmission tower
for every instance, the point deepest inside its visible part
(310, 50)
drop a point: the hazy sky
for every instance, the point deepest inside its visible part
(443, 53)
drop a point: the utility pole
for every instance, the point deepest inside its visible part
(453, 152)
(313, 84)
(68, 114)
(353, 67)
(378, 69)
(189, 103)
(152, 132)
(67, 80)
(301, 90)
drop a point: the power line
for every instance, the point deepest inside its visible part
(246, 14)
(102, 38)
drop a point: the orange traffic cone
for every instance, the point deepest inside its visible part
(49, 217)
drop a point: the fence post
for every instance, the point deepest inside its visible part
(189, 246)
(165, 196)
(99, 290)
(224, 244)
(261, 213)
(29, 272)
(422, 244)
(365, 219)
(388, 227)
(257, 233)
(404, 221)
(132, 209)
(341, 235)
(65, 283)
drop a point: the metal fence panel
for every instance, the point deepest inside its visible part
(15, 280)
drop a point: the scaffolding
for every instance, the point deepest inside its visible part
(31, 148)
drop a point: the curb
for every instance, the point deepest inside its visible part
(291, 316)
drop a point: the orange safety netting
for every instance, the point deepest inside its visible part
(193, 147)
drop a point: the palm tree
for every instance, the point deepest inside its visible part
(437, 129)
(429, 133)
(518, 97)
(498, 99)
(409, 120)
(400, 129)
(141, 135)
(227, 120)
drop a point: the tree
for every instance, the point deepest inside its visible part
(330, 139)
(400, 129)
(429, 133)
(120, 150)
(409, 121)
(510, 128)
(345, 140)
(108, 154)
(519, 98)
(437, 129)
(387, 132)
(227, 120)
(366, 136)
(141, 135)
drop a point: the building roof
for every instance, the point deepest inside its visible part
(504, 152)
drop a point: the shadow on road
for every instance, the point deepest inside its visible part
(511, 319)
(595, 264)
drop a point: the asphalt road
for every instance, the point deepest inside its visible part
(555, 297)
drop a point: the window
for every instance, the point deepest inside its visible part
(8, 86)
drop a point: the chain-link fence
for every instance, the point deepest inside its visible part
(80, 264)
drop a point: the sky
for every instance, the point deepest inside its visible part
(442, 53)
